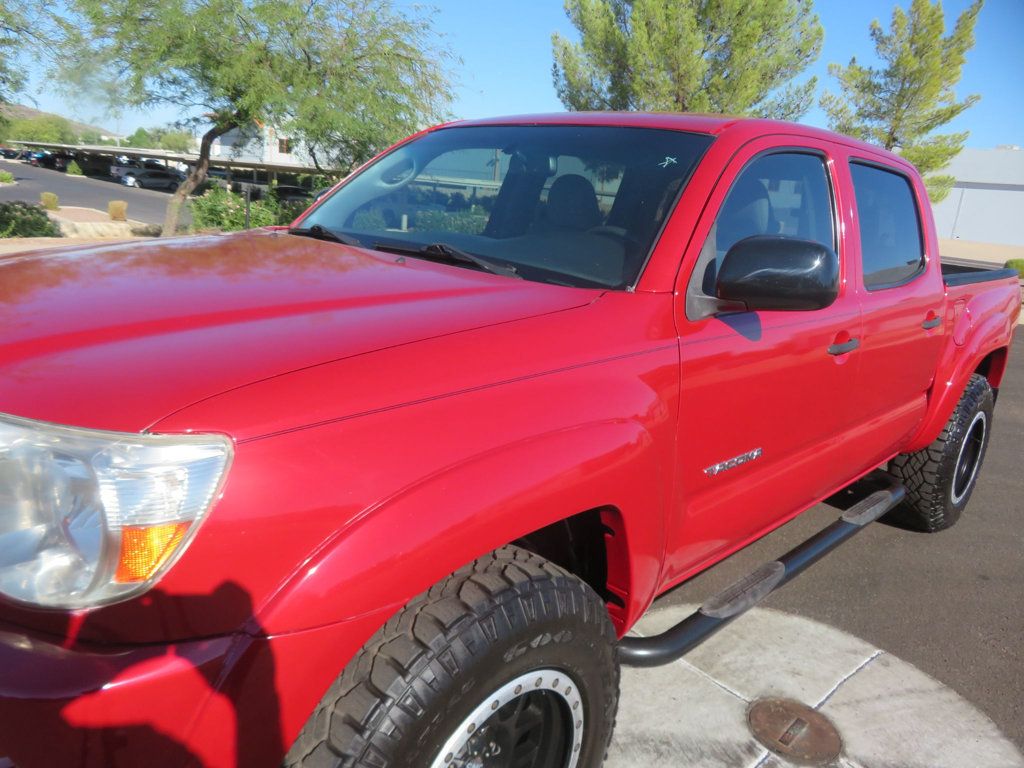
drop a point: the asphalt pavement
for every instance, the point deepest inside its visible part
(951, 604)
(145, 205)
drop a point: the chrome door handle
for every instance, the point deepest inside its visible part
(842, 349)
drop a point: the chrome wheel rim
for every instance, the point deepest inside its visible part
(536, 720)
(969, 458)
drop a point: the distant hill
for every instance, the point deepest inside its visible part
(21, 112)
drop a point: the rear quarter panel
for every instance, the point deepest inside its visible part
(980, 320)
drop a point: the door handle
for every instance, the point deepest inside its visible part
(842, 349)
(930, 323)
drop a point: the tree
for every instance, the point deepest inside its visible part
(730, 56)
(141, 139)
(174, 140)
(48, 129)
(900, 104)
(330, 71)
(13, 34)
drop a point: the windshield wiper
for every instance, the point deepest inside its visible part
(320, 232)
(446, 252)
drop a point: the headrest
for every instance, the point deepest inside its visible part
(572, 203)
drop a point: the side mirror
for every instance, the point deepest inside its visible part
(779, 273)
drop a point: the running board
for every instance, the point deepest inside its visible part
(756, 586)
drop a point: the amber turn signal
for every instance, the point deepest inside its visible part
(145, 548)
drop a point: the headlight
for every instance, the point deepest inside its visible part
(89, 518)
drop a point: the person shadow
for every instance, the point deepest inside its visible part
(217, 683)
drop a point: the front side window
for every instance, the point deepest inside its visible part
(890, 229)
(576, 205)
(785, 194)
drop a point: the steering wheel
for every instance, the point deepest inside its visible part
(399, 173)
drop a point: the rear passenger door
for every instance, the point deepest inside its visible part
(901, 300)
(764, 401)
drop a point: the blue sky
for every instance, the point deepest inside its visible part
(505, 47)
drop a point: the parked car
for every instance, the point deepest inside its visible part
(356, 494)
(56, 161)
(35, 157)
(123, 165)
(152, 179)
(289, 194)
(10, 153)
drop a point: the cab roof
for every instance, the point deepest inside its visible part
(740, 128)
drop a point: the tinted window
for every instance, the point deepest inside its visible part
(571, 204)
(784, 194)
(890, 229)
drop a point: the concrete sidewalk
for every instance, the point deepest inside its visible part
(889, 714)
(11, 245)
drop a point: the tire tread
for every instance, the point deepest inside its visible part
(384, 688)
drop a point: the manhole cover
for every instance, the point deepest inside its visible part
(795, 731)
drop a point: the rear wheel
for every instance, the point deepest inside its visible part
(508, 662)
(940, 478)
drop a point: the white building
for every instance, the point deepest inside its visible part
(986, 205)
(259, 144)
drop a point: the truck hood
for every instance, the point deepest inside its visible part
(118, 337)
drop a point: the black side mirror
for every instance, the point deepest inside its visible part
(779, 273)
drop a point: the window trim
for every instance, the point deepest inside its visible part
(923, 266)
(795, 149)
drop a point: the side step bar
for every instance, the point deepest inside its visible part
(755, 587)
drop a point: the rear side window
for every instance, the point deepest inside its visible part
(890, 227)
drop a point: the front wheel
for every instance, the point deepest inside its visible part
(940, 478)
(510, 661)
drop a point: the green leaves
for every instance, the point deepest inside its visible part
(20, 219)
(900, 104)
(346, 77)
(731, 56)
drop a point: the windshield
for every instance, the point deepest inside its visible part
(576, 205)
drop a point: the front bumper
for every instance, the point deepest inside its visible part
(104, 707)
(225, 702)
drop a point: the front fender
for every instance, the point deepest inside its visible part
(413, 539)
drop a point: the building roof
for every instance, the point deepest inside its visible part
(217, 161)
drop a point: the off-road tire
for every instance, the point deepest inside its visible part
(932, 504)
(425, 670)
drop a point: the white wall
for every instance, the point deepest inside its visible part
(987, 203)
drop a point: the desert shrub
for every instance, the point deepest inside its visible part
(74, 169)
(117, 210)
(288, 211)
(20, 219)
(1017, 264)
(49, 201)
(6, 177)
(219, 208)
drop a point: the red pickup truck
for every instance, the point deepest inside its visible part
(388, 488)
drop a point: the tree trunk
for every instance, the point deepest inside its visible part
(196, 177)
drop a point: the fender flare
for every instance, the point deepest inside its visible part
(954, 370)
(397, 548)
